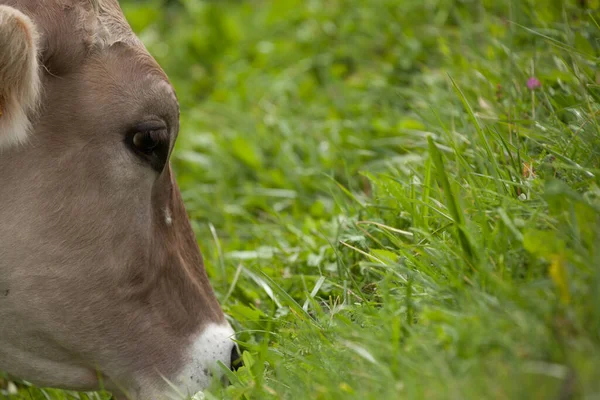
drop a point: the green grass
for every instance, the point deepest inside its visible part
(385, 209)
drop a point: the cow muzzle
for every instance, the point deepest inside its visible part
(215, 344)
(236, 359)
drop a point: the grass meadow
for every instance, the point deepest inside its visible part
(395, 199)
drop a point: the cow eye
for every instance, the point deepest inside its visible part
(150, 142)
(146, 141)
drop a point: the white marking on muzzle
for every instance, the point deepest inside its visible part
(212, 345)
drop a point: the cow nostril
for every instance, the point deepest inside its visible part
(236, 359)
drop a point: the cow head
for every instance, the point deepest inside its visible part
(101, 279)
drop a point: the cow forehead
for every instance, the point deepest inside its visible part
(110, 28)
(126, 74)
(163, 85)
(109, 32)
(108, 25)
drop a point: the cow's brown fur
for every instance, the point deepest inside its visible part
(97, 276)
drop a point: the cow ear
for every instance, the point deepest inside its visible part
(19, 75)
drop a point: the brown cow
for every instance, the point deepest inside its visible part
(101, 279)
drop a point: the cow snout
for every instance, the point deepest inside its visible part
(236, 358)
(212, 346)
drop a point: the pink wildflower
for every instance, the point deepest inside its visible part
(533, 83)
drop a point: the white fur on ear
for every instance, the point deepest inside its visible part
(19, 75)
